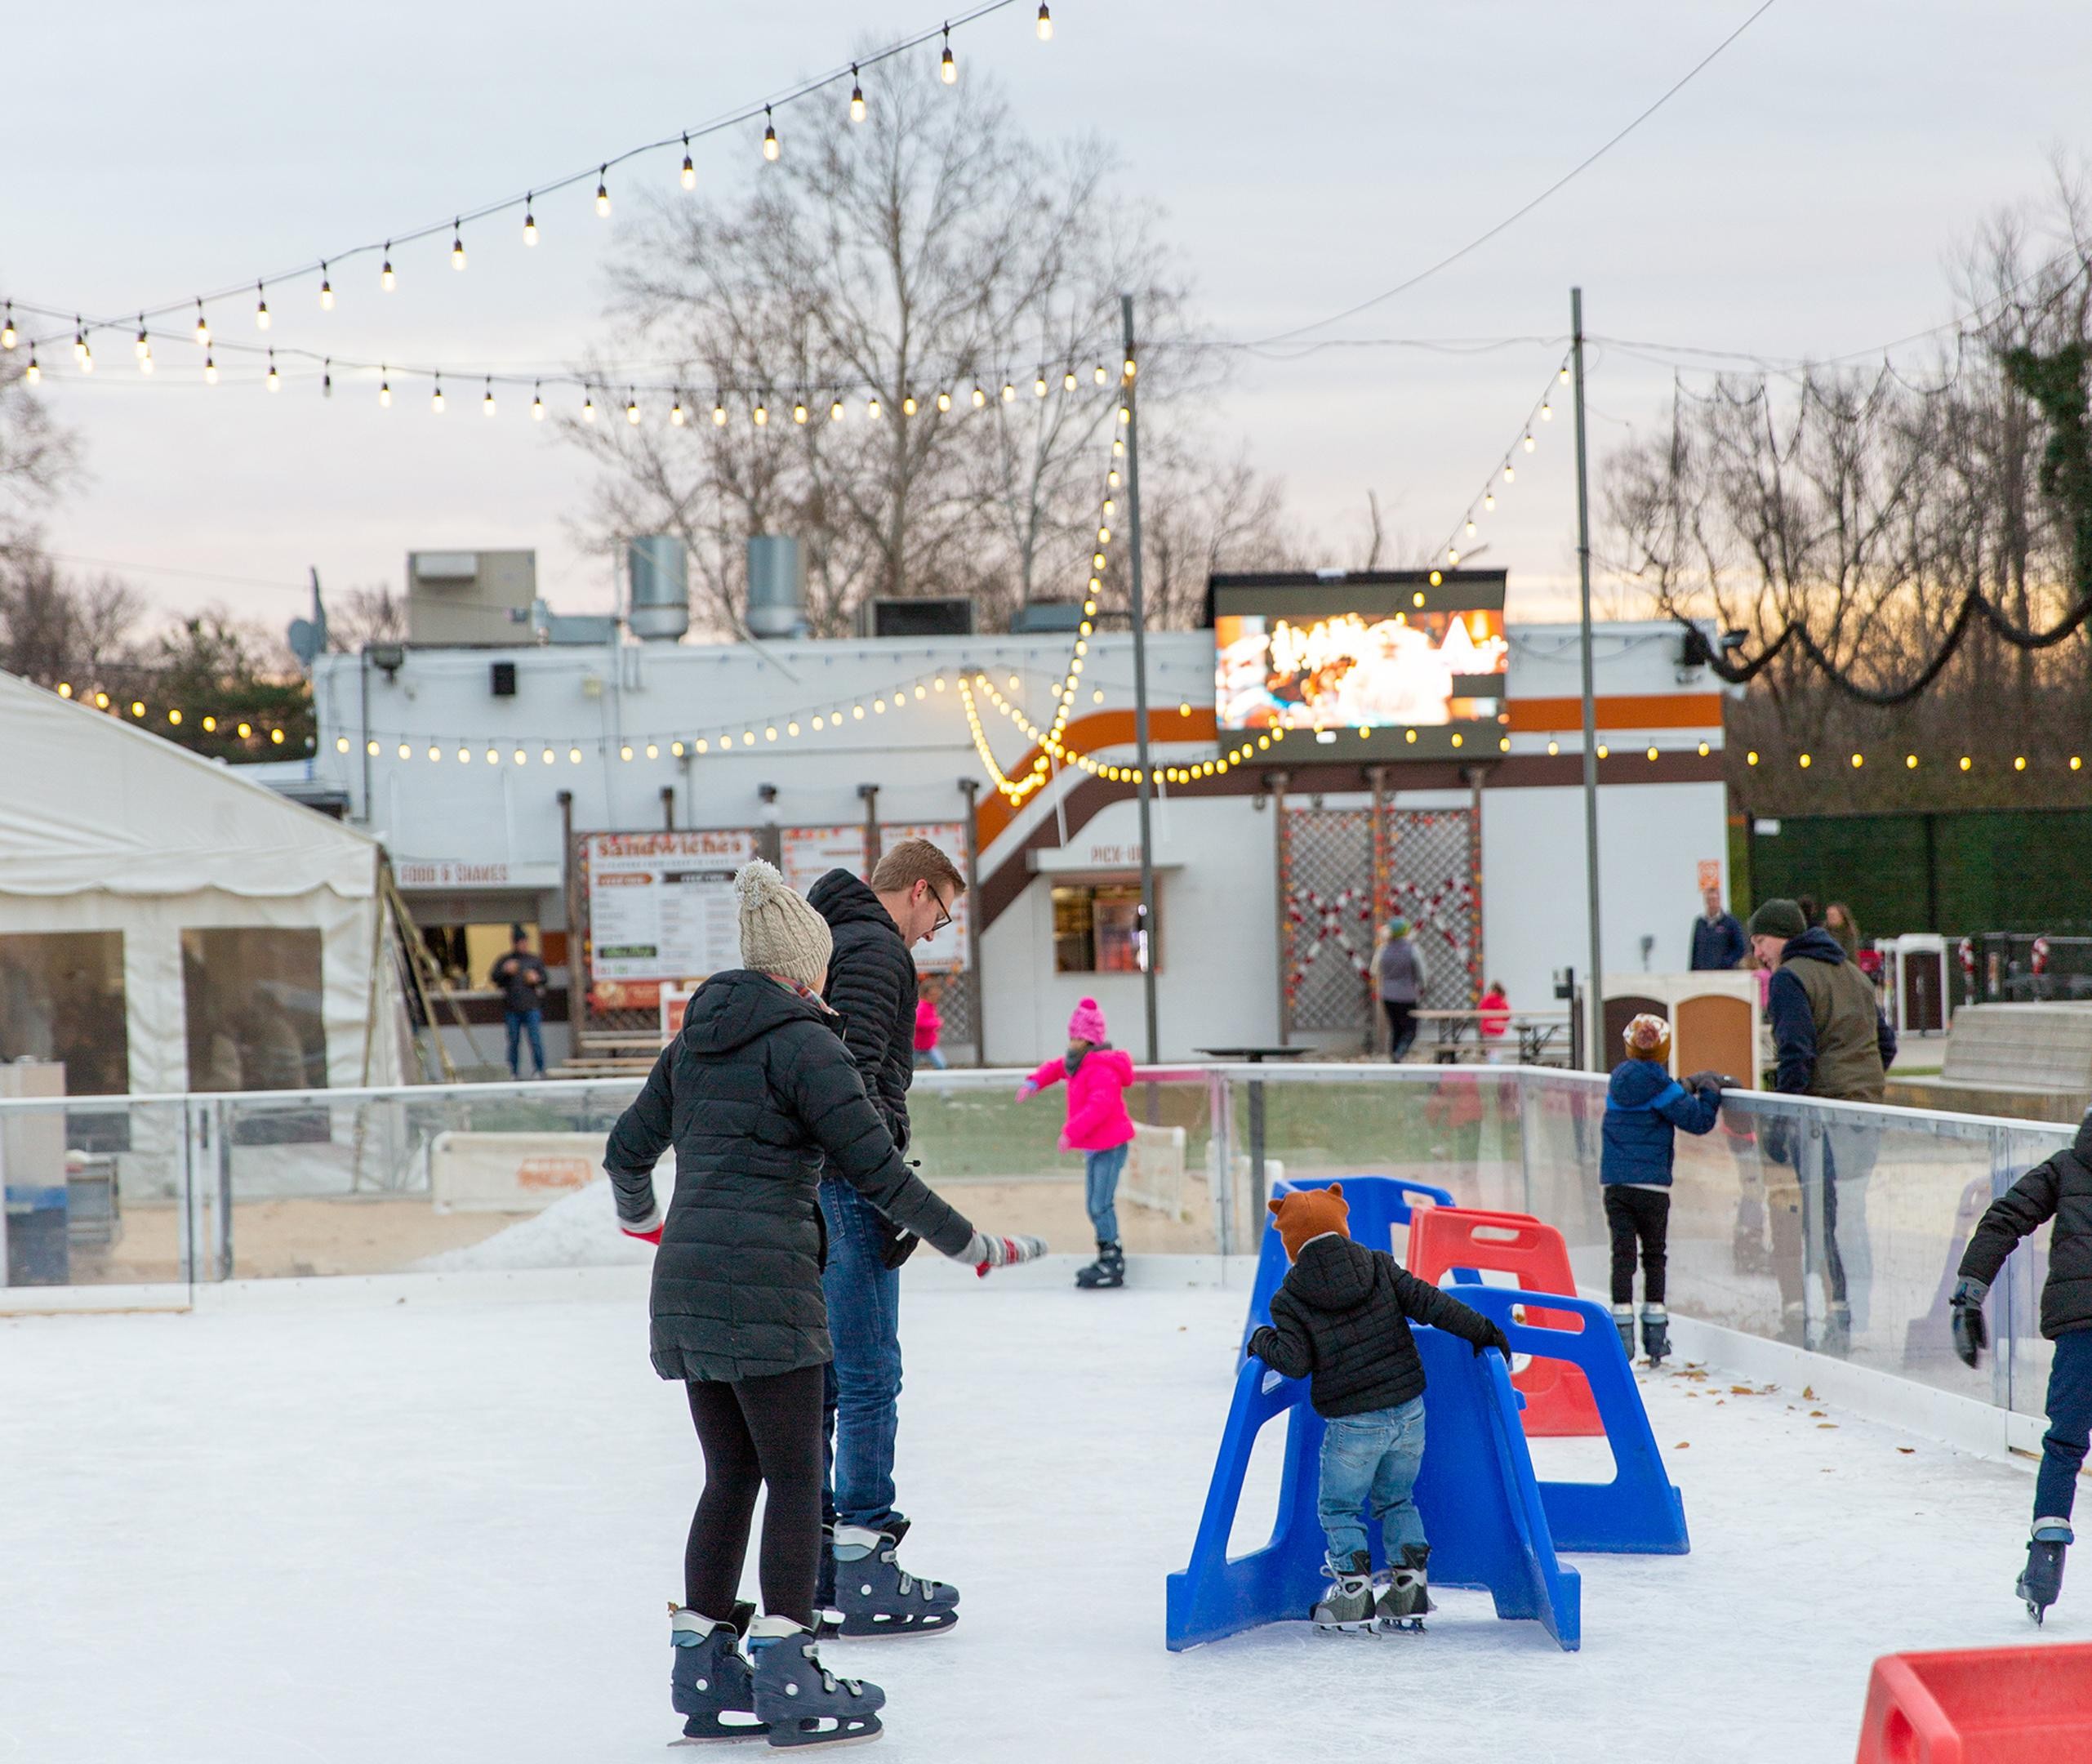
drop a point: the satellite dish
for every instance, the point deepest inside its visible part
(306, 639)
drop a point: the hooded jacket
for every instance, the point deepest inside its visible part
(754, 1094)
(2060, 1188)
(871, 982)
(1828, 1032)
(1341, 1319)
(1644, 1106)
(1097, 1120)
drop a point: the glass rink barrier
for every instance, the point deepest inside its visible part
(1831, 1226)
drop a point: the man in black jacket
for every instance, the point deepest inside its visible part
(871, 983)
(1341, 1319)
(2059, 1189)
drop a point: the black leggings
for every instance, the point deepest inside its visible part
(759, 1432)
(1401, 1027)
(1643, 1212)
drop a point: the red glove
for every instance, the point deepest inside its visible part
(653, 1236)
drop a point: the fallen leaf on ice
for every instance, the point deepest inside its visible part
(1684, 1444)
(1741, 1389)
(1821, 1425)
(1815, 1414)
(1809, 1394)
(1907, 1450)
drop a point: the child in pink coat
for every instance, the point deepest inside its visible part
(1098, 1126)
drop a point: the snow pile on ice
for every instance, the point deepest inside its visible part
(579, 1231)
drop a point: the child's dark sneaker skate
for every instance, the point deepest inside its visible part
(1624, 1321)
(876, 1595)
(1108, 1270)
(804, 1704)
(1655, 1334)
(2042, 1579)
(1407, 1600)
(1347, 1607)
(710, 1681)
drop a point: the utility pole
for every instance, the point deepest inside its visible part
(1594, 1048)
(1143, 773)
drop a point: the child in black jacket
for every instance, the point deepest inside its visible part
(1341, 1319)
(2061, 1189)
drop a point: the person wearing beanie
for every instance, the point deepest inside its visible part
(1341, 1319)
(1645, 1107)
(754, 1094)
(1098, 1127)
(1830, 1038)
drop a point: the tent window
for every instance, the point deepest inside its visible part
(252, 996)
(61, 998)
(1097, 930)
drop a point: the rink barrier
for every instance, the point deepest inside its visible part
(1476, 1493)
(1378, 1203)
(1463, 1242)
(2008, 1705)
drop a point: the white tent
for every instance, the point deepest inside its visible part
(106, 829)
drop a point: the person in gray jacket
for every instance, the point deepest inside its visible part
(754, 1094)
(1399, 967)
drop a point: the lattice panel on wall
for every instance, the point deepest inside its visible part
(1434, 880)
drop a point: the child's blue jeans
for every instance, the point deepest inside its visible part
(2070, 1425)
(1100, 1171)
(1371, 1461)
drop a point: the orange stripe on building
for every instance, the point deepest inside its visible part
(1086, 734)
(1625, 711)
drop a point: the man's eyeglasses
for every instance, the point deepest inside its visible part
(944, 912)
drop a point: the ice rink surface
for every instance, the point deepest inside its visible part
(449, 1531)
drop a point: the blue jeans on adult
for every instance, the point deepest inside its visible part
(2070, 1425)
(1371, 1461)
(1100, 1174)
(864, 1378)
(529, 1022)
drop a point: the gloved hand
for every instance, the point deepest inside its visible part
(1710, 1081)
(1971, 1335)
(653, 1236)
(984, 1252)
(1026, 1091)
(1495, 1339)
(1259, 1338)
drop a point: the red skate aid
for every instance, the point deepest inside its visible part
(1464, 1241)
(2015, 1705)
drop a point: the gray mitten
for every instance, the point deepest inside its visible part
(984, 1252)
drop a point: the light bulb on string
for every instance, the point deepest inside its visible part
(1546, 412)
(588, 407)
(835, 411)
(79, 341)
(1563, 376)
(1111, 477)
(632, 407)
(798, 412)
(718, 415)
(436, 397)
(8, 335)
(486, 402)
(689, 167)
(529, 222)
(457, 246)
(32, 374)
(1039, 385)
(675, 413)
(908, 405)
(1068, 380)
(760, 416)
(210, 369)
(1530, 443)
(1045, 25)
(980, 398)
(944, 401)
(769, 134)
(1470, 528)
(1118, 450)
(602, 192)
(87, 358)
(275, 378)
(537, 401)
(1009, 392)
(1489, 500)
(385, 390)
(947, 68)
(386, 279)
(326, 289)
(260, 307)
(871, 408)
(1508, 474)
(856, 96)
(1101, 376)
(143, 347)
(202, 327)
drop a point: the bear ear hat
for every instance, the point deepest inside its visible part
(1276, 1201)
(1336, 1191)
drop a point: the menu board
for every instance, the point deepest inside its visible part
(809, 854)
(662, 906)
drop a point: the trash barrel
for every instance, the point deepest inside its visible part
(37, 1253)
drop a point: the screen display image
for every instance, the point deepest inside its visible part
(1349, 670)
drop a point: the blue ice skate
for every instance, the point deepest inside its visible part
(711, 1682)
(804, 1703)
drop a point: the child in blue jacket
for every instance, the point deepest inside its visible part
(1644, 1105)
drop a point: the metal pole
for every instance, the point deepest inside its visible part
(1594, 1042)
(1142, 771)
(970, 789)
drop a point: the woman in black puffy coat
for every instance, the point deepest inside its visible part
(754, 1094)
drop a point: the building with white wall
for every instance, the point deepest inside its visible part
(482, 769)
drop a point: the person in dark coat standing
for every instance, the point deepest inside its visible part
(1718, 940)
(756, 1094)
(1340, 1320)
(871, 982)
(520, 977)
(2059, 1189)
(1830, 1038)
(1644, 1108)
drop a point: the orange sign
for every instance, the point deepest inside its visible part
(1710, 872)
(558, 1173)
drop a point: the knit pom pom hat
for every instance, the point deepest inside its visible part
(1306, 1213)
(780, 933)
(1087, 1024)
(1648, 1037)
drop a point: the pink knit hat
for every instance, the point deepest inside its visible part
(1087, 1024)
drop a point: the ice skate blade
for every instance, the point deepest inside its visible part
(845, 1735)
(1365, 1626)
(872, 1629)
(1401, 1625)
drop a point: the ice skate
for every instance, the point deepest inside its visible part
(1347, 1608)
(1655, 1333)
(710, 1681)
(876, 1595)
(804, 1703)
(1624, 1321)
(2042, 1579)
(1109, 1269)
(1407, 1600)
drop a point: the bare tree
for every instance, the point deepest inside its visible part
(362, 616)
(55, 628)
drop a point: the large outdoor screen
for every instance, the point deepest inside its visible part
(1385, 663)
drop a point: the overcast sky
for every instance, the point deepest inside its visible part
(1801, 197)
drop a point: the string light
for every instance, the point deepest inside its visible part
(908, 405)
(536, 404)
(384, 391)
(436, 398)
(760, 416)
(457, 246)
(944, 401)
(261, 308)
(856, 96)
(602, 192)
(769, 136)
(529, 222)
(980, 398)
(947, 68)
(202, 327)
(275, 378)
(675, 415)
(718, 415)
(326, 290)
(1068, 380)
(689, 167)
(386, 279)
(32, 374)
(871, 409)
(487, 403)
(588, 408)
(210, 369)
(7, 332)
(835, 411)
(632, 405)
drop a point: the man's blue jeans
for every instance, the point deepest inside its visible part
(1101, 1172)
(530, 1022)
(1371, 1461)
(2070, 1424)
(864, 1378)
